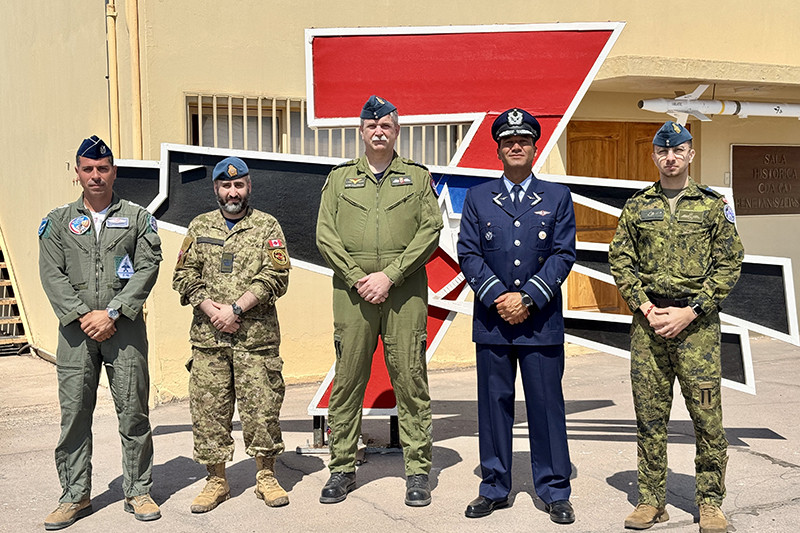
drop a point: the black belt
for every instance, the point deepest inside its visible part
(663, 301)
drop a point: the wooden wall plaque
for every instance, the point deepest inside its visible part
(765, 179)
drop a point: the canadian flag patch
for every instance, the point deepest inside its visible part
(275, 243)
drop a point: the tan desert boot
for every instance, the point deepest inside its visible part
(215, 492)
(143, 508)
(711, 519)
(644, 516)
(66, 513)
(267, 487)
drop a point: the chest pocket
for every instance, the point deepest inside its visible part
(491, 234)
(351, 222)
(694, 241)
(403, 218)
(541, 233)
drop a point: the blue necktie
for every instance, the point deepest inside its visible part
(515, 201)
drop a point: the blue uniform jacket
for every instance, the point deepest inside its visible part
(531, 249)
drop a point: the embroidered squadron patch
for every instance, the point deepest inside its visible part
(80, 225)
(43, 226)
(729, 214)
(124, 267)
(279, 258)
(153, 224)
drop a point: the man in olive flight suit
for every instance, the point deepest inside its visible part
(675, 256)
(98, 261)
(378, 224)
(232, 268)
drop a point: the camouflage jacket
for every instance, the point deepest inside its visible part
(223, 264)
(367, 226)
(81, 272)
(694, 253)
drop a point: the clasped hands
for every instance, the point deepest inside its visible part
(374, 288)
(221, 316)
(510, 307)
(97, 325)
(668, 322)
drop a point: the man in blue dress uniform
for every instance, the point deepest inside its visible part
(516, 247)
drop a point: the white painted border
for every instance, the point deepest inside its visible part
(477, 117)
(749, 385)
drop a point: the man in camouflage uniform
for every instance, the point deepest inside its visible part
(232, 267)
(675, 256)
(98, 261)
(378, 224)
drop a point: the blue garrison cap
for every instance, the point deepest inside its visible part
(230, 168)
(516, 122)
(376, 107)
(94, 148)
(671, 134)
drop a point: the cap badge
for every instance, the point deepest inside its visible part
(102, 149)
(232, 172)
(676, 128)
(515, 118)
(380, 100)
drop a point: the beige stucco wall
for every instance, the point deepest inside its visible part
(55, 90)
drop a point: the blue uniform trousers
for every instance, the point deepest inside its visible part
(542, 368)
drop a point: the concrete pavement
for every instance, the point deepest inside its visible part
(763, 471)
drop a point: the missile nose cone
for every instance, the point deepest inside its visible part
(641, 104)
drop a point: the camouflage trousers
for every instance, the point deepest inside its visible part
(220, 377)
(694, 357)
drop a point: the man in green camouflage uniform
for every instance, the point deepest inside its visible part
(98, 261)
(232, 268)
(675, 256)
(378, 224)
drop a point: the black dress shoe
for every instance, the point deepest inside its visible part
(483, 506)
(561, 512)
(418, 491)
(337, 487)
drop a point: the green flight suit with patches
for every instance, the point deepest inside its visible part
(695, 254)
(366, 226)
(80, 273)
(242, 367)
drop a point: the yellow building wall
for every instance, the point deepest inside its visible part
(55, 91)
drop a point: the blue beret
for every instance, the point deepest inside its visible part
(516, 122)
(376, 107)
(230, 168)
(94, 148)
(671, 134)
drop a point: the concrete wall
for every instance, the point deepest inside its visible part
(53, 62)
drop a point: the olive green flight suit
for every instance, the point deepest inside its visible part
(693, 253)
(365, 226)
(242, 367)
(80, 273)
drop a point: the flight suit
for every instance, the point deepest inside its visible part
(245, 366)
(530, 248)
(692, 257)
(81, 273)
(365, 226)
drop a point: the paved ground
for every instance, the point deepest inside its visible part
(763, 473)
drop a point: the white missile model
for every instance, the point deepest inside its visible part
(689, 104)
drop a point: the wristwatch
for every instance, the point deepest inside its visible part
(236, 309)
(113, 314)
(527, 301)
(697, 309)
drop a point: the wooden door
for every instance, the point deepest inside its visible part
(616, 150)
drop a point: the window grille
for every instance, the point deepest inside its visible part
(279, 125)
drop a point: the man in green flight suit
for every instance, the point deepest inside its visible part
(675, 256)
(378, 224)
(98, 261)
(232, 268)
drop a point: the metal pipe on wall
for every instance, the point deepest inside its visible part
(132, 15)
(113, 77)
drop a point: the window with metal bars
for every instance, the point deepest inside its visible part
(271, 124)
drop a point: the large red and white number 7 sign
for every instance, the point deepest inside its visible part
(451, 74)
